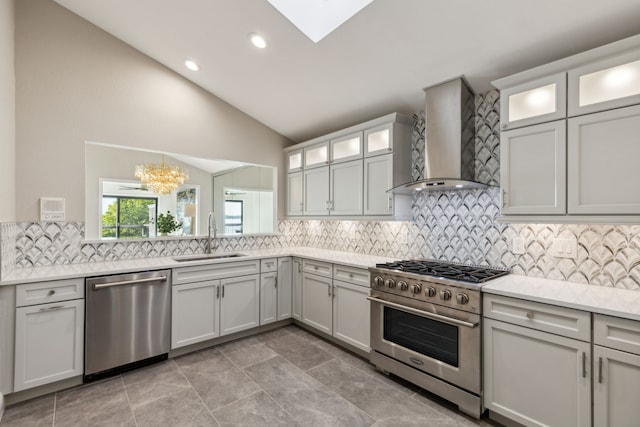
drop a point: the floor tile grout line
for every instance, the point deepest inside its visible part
(126, 393)
(198, 394)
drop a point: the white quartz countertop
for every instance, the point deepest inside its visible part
(597, 299)
(70, 271)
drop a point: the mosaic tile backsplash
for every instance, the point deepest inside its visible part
(458, 226)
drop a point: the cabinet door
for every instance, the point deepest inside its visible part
(268, 298)
(295, 193)
(194, 313)
(294, 160)
(538, 101)
(611, 83)
(616, 385)
(351, 314)
(316, 191)
(239, 303)
(49, 343)
(346, 188)
(316, 302)
(533, 169)
(296, 308)
(604, 149)
(378, 178)
(378, 140)
(536, 378)
(316, 155)
(285, 275)
(346, 148)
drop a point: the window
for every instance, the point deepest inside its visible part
(232, 216)
(128, 217)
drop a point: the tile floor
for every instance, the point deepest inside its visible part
(285, 377)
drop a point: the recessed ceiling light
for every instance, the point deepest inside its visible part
(191, 65)
(257, 40)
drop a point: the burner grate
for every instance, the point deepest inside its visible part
(465, 273)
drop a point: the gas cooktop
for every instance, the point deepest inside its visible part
(445, 270)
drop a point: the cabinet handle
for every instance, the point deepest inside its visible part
(299, 267)
(55, 307)
(275, 284)
(334, 292)
(329, 290)
(584, 365)
(218, 292)
(51, 292)
(529, 314)
(222, 291)
(389, 203)
(504, 197)
(301, 206)
(600, 370)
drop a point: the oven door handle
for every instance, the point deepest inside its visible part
(444, 319)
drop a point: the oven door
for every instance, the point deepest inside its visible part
(440, 341)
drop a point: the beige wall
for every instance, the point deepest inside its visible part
(7, 112)
(74, 82)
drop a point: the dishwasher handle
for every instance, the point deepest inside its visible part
(129, 282)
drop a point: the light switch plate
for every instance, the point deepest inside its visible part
(518, 246)
(565, 248)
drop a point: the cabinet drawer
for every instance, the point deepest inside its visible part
(200, 273)
(268, 265)
(317, 267)
(616, 333)
(548, 318)
(357, 276)
(45, 292)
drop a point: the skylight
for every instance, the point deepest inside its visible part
(317, 18)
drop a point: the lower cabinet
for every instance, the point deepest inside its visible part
(296, 289)
(239, 304)
(284, 284)
(337, 307)
(268, 298)
(49, 343)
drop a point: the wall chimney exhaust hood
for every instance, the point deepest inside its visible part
(449, 139)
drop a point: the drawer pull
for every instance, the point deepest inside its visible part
(529, 314)
(55, 307)
(584, 365)
(51, 292)
(599, 370)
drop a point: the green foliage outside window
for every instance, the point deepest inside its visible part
(127, 218)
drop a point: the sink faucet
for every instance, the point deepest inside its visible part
(212, 227)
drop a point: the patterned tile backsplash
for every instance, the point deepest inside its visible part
(458, 226)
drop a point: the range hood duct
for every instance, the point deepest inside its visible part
(449, 139)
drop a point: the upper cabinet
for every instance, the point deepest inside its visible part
(569, 140)
(349, 172)
(538, 101)
(294, 161)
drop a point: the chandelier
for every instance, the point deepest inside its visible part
(161, 178)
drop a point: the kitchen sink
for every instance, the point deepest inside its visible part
(206, 256)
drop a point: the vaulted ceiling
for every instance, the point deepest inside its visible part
(375, 63)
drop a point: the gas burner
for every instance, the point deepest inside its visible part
(460, 272)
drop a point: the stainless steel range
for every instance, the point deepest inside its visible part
(425, 326)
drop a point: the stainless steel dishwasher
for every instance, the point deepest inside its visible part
(127, 322)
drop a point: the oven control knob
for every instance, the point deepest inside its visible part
(403, 285)
(430, 291)
(378, 281)
(445, 294)
(390, 283)
(416, 289)
(462, 298)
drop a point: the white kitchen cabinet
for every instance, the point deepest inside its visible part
(317, 302)
(538, 101)
(49, 343)
(533, 169)
(345, 148)
(316, 155)
(345, 188)
(536, 362)
(295, 194)
(602, 85)
(379, 140)
(239, 303)
(603, 153)
(294, 161)
(616, 371)
(316, 191)
(195, 315)
(351, 314)
(296, 285)
(378, 178)
(284, 285)
(268, 298)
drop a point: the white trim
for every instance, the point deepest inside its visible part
(1, 406)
